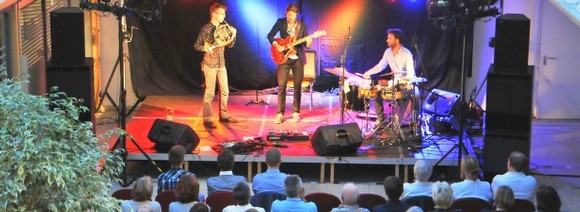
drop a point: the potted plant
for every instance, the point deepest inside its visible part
(50, 161)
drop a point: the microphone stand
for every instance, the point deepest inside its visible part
(341, 80)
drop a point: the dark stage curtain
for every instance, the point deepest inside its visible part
(163, 61)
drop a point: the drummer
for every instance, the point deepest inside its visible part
(400, 61)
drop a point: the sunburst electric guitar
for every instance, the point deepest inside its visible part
(288, 44)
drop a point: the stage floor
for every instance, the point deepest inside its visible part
(257, 120)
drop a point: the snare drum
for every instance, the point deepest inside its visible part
(367, 93)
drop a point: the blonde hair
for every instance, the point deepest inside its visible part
(142, 189)
(471, 167)
(442, 194)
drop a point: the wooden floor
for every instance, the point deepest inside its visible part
(554, 147)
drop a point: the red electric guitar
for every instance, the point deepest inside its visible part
(288, 44)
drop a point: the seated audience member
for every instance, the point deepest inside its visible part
(471, 186)
(504, 199)
(349, 199)
(242, 195)
(442, 196)
(187, 192)
(141, 192)
(226, 181)
(295, 197)
(523, 186)
(547, 199)
(199, 207)
(394, 189)
(272, 179)
(414, 209)
(420, 187)
(167, 180)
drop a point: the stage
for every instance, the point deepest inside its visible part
(257, 120)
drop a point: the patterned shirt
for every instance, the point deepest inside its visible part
(167, 180)
(215, 59)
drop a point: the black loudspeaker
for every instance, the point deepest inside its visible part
(76, 81)
(509, 102)
(445, 102)
(335, 140)
(498, 147)
(165, 134)
(67, 36)
(512, 43)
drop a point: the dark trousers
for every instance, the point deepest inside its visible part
(282, 72)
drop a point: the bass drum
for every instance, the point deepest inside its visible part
(352, 102)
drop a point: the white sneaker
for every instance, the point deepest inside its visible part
(279, 118)
(296, 117)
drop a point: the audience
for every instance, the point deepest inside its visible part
(142, 191)
(272, 179)
(420, 187)
(242, 196)
(414, 209)
(504, 199)
(168, 180)
(226, 181)
(523, 186)
(547, 199)
(471, 186)
(187, 192)
(199, 207)
(349, 198)
(442, 196)
(394, 189)
(295, 201)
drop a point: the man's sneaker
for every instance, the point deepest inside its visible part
(229, 120)
(295, 117)
(279, 118)
(209, 125)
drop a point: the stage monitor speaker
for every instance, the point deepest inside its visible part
(512, 43)
(165, 134)
(498, 147)
(509, 102)
(75, 81)
(67, 36)
(442, 103)
(334, 140)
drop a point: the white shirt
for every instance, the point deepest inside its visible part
(178, 206)
(417, 189)
(469, 188)
(237, 208)
(400, 62)
(132, 205)
(523, 186)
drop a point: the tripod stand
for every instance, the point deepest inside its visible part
(257, 100)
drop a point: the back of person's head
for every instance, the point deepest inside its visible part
(393, 187)
(187, 189)
(518, 161)
(442, 195)
(176, 155)
(225, 160)
(397, 33)
(350, 194)
(242, 193)
(199, 207)
(292, 186)
(422, 171)
(470, 167)
(273, 157)
(504, 197)
(547, 199)
(142, 189)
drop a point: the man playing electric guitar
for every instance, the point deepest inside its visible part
(289, 26)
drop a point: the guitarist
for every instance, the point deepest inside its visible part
(289, 26)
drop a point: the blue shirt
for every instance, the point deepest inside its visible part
(271, 180)
(167, 180)
(226, 181)
(293, 204)
(349, 208)
(524, 186)
(469, 188)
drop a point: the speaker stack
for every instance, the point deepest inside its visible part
(509, 94)
(68, 68)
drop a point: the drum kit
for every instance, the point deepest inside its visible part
(395, 92)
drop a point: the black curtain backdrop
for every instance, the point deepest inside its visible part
(163, 61)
